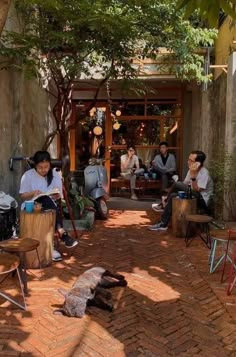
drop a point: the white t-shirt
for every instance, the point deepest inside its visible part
(204, 181)
(32, 181)
(124, 159)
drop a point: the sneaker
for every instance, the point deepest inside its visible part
(56, 256)
(68, 240)
(134, 197)
(157, 207)
(158, 227)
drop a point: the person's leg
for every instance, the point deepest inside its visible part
(133, 186)
(48, 203)
(164, 181)
(166, 215)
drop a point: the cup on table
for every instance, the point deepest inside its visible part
(154, 176)
(182, 194)
(29, 206)
(146, 175)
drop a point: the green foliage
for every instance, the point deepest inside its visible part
(223, 172)
(101, 37)
(63, 41)
(78, 203)
(209, 9)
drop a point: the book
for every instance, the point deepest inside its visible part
(54, 191)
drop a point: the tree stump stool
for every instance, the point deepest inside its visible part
(181, 208)
(40, 226)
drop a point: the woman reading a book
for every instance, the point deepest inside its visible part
(44, 185)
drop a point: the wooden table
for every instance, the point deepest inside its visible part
(40, 226)
(181, 208)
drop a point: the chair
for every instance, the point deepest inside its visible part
(202, 221)
(232, 269)
(20, 247)
(219, 239)
(10, 263)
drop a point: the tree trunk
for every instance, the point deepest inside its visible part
(4, 8)
(65, 156)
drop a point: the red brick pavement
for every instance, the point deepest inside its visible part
(171, 307)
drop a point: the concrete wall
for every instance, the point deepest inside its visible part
(25, 121)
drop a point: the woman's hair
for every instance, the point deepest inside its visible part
(43, 156)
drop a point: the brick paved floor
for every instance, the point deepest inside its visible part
(171, 307)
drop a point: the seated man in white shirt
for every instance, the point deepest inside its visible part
(130, 168)
(201, 184)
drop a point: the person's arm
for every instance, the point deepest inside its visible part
(171, 163)
(187, 179)
(124, 162)
(26, 192)
(136, 162)
(158, 165)
(197, 185)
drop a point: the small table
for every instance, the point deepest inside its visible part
(40, 226)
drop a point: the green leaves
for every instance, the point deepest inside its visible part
(209, 9)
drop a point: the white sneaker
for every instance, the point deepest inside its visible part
(56, 256)
(157, 207)
(134, 197)
(158, 227)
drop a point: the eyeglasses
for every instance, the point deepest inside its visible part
(131, 149)
(191, 160)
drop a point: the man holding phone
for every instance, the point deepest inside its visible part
(130, 168)
(201, 183)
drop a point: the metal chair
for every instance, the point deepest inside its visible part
(232, 269)
(9, 263)
(218, 255)
(202, 221)
(20, 247)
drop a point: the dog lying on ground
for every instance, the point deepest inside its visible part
(89, 290)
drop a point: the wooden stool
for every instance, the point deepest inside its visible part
(40, 226)
(20, 247)
(219, 238)
(8, 264)
(181, 208)
(203, 221)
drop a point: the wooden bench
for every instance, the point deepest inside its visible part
(118, 184)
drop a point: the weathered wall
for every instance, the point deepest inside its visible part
(25, 121)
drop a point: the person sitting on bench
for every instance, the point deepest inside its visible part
(164, 165)
(40, 179)
(130, 168)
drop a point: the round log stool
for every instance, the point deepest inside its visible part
(20, 247)
(202, 222)
(180, 209)
(40, 226)
(10, 263)
(219, 239)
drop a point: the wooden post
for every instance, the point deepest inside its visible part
(180, 208)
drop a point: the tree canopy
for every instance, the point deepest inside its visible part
(63, 41)
(209, 9)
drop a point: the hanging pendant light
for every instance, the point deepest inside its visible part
(97, 130)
